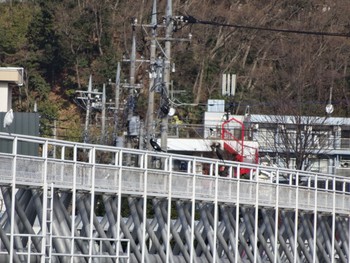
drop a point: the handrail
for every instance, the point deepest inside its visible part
(99, 165)
(100, 149)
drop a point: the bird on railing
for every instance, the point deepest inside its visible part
(8, 119)
(155, 145)
(219, 153)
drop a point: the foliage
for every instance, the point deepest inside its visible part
(43, 41)
(13, 27)
(42, 88)
(60, 43)
(50, 111)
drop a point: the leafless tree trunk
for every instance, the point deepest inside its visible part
(298, 138)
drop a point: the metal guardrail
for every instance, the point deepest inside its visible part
(119, 170)
(99, 243)
(29, 251)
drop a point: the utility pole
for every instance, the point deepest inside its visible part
(168, 34)
(88, 106)
(150, 110)
(54, 136)
(103, 125)
(85, 97)
(119, 141)
(160, 69)
(132, 81)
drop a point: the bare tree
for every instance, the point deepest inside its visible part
(297, 139)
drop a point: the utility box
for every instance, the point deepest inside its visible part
(134, 126)
(26, 123)
(216, 105)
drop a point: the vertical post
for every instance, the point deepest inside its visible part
(132, 80)
(103, 124)
(118, 140)
(88, 106)
(13, 198)
(193, 212)
(348, 234)
(314, 252)
(334, 196)
(168, 246)
(119, 162)
(256, 218)
(215, 223)
(150, 110)
(45, 205)
(144, 216)
(169, 30)
(296, 217)
(237, 254)
(74, 200)
(132, 71)
(92, 158)
(54, 136)
(276, 226)
(142, 135)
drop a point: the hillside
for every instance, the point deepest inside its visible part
(289, 58)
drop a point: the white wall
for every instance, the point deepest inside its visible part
(5, 97)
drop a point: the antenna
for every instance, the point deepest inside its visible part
(228, 84)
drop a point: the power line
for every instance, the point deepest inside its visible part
(192, 20)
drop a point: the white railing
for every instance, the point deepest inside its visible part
(100, 246)
(120, 170)
(29, 251)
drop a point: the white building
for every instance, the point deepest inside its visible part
(8, 76)
(325, 139)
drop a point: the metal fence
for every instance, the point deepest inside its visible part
(63, 182)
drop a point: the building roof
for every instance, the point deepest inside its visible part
(313, 120)
(11, 74)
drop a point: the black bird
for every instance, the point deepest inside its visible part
(155, 145)
(219, 154)
(218, 151)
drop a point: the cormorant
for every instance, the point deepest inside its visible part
(218, 151)
(155, 145)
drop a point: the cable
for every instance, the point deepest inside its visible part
(192, 20)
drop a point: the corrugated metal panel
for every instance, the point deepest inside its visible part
(24, 123)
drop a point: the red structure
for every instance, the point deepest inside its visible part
(233, 135)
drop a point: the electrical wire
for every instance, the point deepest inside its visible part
(192, 20)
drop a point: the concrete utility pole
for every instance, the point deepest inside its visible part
(168, 34)
(150, 110)
(103, 125)
(160, 69)
(132, 73)
(88, 106)
(119, 139)
(131, 81)
(91, 103)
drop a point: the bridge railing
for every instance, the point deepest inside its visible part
(120, 170)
